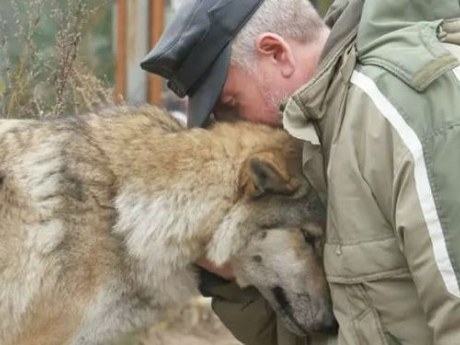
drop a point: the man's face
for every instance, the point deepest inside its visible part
(281, 66)
(254, 97)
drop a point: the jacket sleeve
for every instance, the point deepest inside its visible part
(427, 221)
(243, 311)
(420, 184)
(252, 322)
(249, 316)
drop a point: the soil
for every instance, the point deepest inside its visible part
(194, 324)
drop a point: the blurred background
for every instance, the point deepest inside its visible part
(65, 57)
(68, 56)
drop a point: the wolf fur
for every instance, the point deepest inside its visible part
(103, 215)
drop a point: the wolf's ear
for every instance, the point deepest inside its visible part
(266, 172)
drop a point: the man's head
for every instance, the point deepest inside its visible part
(239, 57)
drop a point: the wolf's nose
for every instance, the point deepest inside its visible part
(330, 325)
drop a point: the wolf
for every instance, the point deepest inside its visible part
(103, 215)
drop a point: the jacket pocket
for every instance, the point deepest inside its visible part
(359, 322)
(353, 270)
(369, 328)
(391, 340)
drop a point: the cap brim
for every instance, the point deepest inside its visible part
(204, 99)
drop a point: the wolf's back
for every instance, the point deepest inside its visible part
(56, 202)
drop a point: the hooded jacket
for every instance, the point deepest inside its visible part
(381, 125)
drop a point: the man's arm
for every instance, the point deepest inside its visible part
(427, 218)
(248, 315)
(424, 201)
(243, 311)
(224, 271)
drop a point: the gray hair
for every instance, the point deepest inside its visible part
(294, 19)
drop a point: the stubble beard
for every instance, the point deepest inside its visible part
(274, 99)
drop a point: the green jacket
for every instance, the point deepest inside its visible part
(381, 124)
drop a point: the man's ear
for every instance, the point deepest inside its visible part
(278, 49)
(266, 172)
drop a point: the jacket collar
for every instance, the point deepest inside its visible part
(313, 99)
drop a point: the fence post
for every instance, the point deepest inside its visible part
(157, 13)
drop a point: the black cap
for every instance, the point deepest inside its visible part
(193, 53)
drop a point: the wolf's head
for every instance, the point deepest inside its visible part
(285, 266)
(272, 193)
(273, 235)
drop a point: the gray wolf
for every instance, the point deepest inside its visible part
(103, 215)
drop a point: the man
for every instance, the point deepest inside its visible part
(379, 96)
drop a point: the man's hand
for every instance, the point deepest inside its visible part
(225, 271)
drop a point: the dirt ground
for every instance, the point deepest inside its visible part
(194, 324)
(219, 337)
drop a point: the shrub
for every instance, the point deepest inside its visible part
(42, 72)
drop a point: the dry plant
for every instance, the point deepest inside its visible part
(192, 324)
(52, 82)
(3, 61)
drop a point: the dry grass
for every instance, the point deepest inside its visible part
(37, 83)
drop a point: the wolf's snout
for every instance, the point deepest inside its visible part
(329, 325)
(325, 321)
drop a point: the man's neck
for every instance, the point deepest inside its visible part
(311, 53)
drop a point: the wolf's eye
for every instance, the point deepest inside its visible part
(257, 258)
(309, 238)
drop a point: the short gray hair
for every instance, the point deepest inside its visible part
(294, 19)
